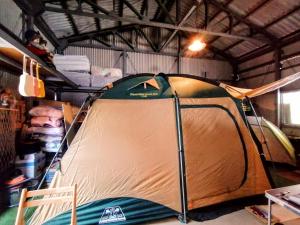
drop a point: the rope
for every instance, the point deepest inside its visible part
(174, 63)
(132, 65)
(118, 60)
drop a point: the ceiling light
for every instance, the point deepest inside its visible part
(197, 45)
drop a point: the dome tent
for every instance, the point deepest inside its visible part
(276, 145)
(154, 147)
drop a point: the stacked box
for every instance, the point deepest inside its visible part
(31, 165)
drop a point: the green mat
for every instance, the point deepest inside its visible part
(8, 216)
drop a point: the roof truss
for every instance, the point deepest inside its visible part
(162, 20)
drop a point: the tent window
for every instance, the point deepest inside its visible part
(291, 108)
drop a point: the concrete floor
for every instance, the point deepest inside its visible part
(240, 217)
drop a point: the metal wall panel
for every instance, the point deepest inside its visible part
(258, 60)
(11, 16)
(150, 63)
(9, 80)
(155, 63)
(212, 69)
(99, 57)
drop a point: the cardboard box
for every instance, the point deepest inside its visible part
(31, 165)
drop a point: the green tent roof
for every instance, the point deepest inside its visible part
(185, 86)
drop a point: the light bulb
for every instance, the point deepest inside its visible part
(197, 45)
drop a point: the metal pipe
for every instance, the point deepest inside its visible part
(277, 58)
(183, 216)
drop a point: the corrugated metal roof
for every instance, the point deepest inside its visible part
(58, 23)
(272, 10)
(288, 25)
(260, 13)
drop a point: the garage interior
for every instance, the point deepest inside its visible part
(150, 111)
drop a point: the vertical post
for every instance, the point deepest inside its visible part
(179, 37)
(269, 211)
(29, 22)
(57, 95)
(74, 204)
(23, 26)
(20, 220)
(183, 194)
(124, 61)
(235, 73)
(178, 56)
(277, 69)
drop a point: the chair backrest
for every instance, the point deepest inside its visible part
(70, 196)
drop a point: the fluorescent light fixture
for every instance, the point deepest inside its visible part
(197, 45)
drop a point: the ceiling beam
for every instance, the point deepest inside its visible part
(97, 21)
(35, 8)
(284, 41)
(185, 18)
(69, 17)
(206, 8)
(219, 52)
(159, 15)
(142, 33)
(237, 22)
(295, 9)
(146, 23)
(125, 40)
(272, 39)
(87, 35)
(98, 7)
(102, 42)
(218, 12)
(232, 45)
(121, 10)
(47, 31)
(165, 10)
(134, 10)
(144, 8)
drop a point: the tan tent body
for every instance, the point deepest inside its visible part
(144, 154)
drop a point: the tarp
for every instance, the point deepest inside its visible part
(251, 93)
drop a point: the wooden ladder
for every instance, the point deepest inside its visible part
(26, 203)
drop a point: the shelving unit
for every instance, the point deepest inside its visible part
(11, 55)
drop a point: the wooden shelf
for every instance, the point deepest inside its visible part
(11, 54)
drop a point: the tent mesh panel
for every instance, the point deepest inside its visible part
(7, 138)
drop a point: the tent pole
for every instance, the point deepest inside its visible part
(183, 194)
(261, 153)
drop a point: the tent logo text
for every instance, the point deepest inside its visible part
(112, 214)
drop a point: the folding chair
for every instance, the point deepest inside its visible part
(26, 203)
